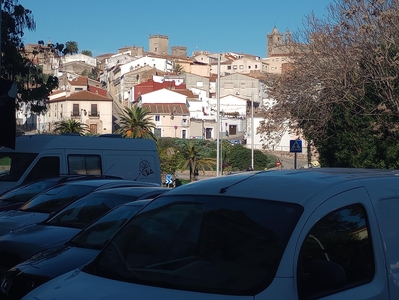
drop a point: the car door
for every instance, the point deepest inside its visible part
(339, 253)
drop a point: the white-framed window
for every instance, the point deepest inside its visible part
(157, 118)
(241, 66)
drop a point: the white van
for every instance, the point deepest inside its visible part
(316, 233)
(42, 156)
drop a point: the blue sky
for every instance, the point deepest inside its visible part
(211, 25)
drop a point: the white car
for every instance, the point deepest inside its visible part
(287, 234)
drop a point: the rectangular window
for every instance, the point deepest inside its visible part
(249, 67)
(241, 66)
(157, 118)
(228, 67)
(78, 89)
(256, 66)
(235, 67)
(75, 111)
(94, 110)
(84, 164)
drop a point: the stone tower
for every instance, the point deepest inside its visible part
(179, 51)
(275, 39)
(159, 44)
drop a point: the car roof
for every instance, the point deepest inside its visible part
(295, 186)
(132, 190)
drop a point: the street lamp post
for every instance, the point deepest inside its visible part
(252, 130)
(218, 119)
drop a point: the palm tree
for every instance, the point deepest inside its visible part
(178, 69)
(70, 126)
(87, 52)
(196, 157)
(136, 123)
(71, 47)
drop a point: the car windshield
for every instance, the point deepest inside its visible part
(210, 244)
(87, 209)
(26, 192)
(97, 234)
(56, 198)
(13, 165)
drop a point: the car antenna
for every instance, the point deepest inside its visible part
(106, 172)
(223, 190)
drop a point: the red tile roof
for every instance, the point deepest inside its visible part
(177, 109)
(81, 80)
(83, 96)
(187, 93)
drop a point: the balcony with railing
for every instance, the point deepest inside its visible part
(94, 114)
(75, 115)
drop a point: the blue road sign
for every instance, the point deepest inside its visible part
(169, 179)
(296, 146)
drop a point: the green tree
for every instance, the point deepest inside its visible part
(170, 159)
(196, 156)
(71, 47)
(33, 88)
(341, 89)
(70, 126)
(240, 158)
(136, 123)
(87, 52)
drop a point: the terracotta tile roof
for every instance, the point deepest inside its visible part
(187, 93)
(97, 90)
(81, 80)
(55, 92)
(83, 96)
(177, 109)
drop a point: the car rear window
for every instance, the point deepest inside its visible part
(56, 198)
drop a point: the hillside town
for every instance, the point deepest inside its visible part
(180, 91)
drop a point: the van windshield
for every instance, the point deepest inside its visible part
(13, 165)
(210, 244)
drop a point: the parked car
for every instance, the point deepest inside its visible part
(16, 197)
(20, 244)
(52, 200)
(319, 233)
(80, 250)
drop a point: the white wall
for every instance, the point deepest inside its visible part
(163, 96)
(154, 62)
(80, 57)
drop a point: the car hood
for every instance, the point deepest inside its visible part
(29, 240)
(14, 219)
(56, 261)
(77, 282)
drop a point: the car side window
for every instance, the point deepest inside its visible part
(46, 167)
(336, 255)
(84, 164)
